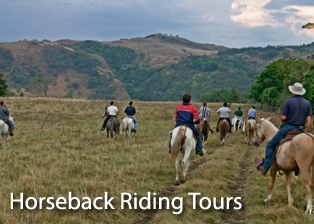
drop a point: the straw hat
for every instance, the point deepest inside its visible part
(297, 89)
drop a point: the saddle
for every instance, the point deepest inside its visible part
(288, 137)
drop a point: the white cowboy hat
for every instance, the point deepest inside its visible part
(297, 89)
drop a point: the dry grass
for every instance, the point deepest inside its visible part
(57, 148)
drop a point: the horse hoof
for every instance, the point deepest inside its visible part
(177, 183)
(183, 180)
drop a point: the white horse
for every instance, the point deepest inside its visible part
(128, 126)
(4, 130)
(237, 124)
(182, 140)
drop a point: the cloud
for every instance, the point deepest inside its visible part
(298, 16)
(253, 13)
(229, 22)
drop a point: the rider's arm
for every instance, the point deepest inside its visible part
(283, 117)
(308, 123)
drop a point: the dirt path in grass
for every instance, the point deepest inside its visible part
(229, 216)
(148, 215)
(232, 216)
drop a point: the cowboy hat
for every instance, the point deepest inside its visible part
(297, 89)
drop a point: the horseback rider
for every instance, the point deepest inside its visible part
(238, 115)
(204, 112)
(252, 113)
(187, 114)
(130, 112)
(295, 112)
(4, 115)
(111, 111)
(224, 112)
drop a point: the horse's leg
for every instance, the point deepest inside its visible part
(177, 182)
(4, 137)
(308, 186)
(185, 163)
(273, 172)
(129, 131)
(288, 187)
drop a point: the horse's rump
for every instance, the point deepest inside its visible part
(113, 124)
(296, 152)
(250, 127)
(223, 127)
(179, 140)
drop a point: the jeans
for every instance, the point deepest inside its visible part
(271, 145)
(197, 134)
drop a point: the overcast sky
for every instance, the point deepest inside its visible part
(231, 23)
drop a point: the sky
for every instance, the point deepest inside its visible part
(230, 23)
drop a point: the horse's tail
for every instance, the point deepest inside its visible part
(205, 127)
(175, 148)
(237, 125)
(224, 128)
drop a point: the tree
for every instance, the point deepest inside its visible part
(38, 85)
(3, 85)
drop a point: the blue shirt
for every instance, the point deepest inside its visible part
(296, 109)
(130, 110)
(252, 113)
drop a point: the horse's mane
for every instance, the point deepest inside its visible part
(269, 125)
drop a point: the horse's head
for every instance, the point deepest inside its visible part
(259, 135)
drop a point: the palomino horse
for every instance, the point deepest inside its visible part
(182, 140)
(290, 156)
(127, 126)
(4, 130)
(237, 124)
(113, 126)
(223, 128)
(203, 127)
(250, 127)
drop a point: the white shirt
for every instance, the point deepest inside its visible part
(112, 110)
(224, 112)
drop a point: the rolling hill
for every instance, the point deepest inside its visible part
(153, 68)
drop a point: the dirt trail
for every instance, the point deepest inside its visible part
(236, 190)
(149, 215)
(232, 216)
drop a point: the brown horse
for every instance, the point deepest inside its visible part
(250, 127)
(290, 156)
(223, 128)
(203, 127)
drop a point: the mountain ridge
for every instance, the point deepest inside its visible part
(145, 68)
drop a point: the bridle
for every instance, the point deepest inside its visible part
(257, 138)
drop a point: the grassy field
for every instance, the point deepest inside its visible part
(57, 149)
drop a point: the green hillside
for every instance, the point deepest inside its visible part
(154, 68)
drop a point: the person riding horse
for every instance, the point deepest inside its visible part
(204, 112)
(295, 111)
(112, 111)
(4, 115)
(252, 113)
(224, 112)
(130, 112)
(187, 114)
(238, 115)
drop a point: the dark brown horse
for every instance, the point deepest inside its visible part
(203, 127)
(223, 128)
(113, 126)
